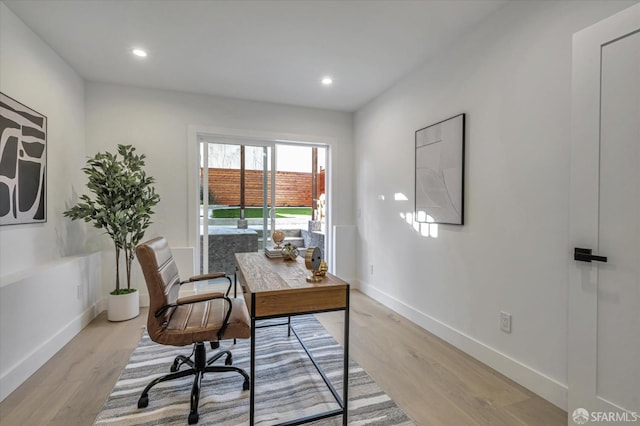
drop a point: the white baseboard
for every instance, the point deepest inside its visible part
(102, 305)
(542, 385)
(32, 361)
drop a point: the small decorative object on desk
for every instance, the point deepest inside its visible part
(277, 237)
(324, 268)
(313, 261)
(290, 251)
(273, 252)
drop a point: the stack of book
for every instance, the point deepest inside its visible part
(273, 252)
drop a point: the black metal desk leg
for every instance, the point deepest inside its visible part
(235, 291)
(345, 389)
(252, 392)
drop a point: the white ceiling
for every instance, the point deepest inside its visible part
(265, 50)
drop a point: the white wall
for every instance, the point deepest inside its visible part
(512, 76)
(156, 122)
(36, 76)
(37, 274)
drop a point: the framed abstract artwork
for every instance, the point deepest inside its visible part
(439, 172)
(23, 163)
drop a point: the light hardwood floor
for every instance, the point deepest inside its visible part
(434, 383)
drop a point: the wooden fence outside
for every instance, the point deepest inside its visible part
(293, 189)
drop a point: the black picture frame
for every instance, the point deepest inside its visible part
(23, 163)
(439, 172)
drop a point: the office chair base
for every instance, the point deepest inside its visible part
(181, 359)
(200, 365)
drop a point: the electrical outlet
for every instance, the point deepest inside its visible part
(505, 322)
(372, 269)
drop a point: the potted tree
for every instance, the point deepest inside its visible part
(123, 197)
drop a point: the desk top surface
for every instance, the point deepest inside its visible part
(261, 274)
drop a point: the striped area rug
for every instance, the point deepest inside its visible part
(287, 384)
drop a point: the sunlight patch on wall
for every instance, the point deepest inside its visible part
(425, 228)
(399, 196)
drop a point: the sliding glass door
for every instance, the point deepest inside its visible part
(254, 187)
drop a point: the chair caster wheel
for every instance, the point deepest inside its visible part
(143, 402)
(245, 385)
(228, 360)
(193, 418)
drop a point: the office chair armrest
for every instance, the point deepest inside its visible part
(190, 299)
(225, 323)
(203, 277)
(199, 298)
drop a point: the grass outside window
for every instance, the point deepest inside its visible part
(256, 212)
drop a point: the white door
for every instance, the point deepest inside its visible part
(604, 297)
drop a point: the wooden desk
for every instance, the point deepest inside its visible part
(275, 288)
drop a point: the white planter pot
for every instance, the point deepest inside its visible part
(123, 307)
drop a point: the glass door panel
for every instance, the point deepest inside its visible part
(234, 216)
(300, 194)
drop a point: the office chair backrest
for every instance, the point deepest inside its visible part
(163, 282)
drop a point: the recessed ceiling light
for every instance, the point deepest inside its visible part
(327, 81)
(139, 52)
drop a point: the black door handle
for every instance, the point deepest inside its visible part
(584, 255)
